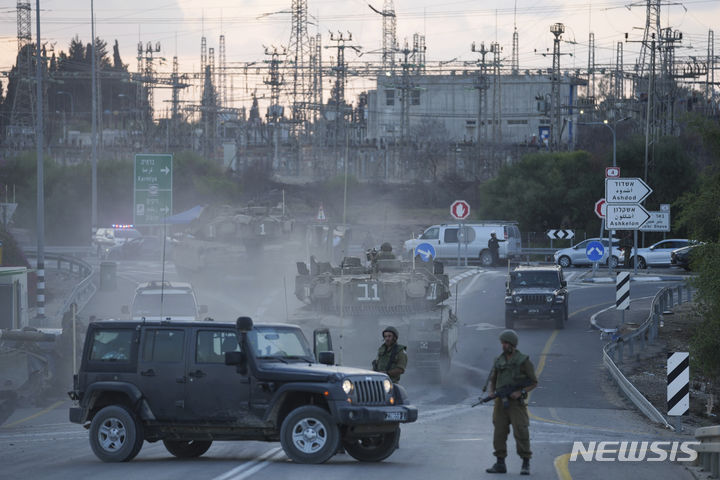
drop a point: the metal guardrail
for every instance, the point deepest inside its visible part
(83, 291)
(708, 450)
(645, 334)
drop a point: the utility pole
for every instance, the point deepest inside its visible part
(94, 219)
(274, 81)
(515, 63)
(338, 91)
(482, 86)
(496, 49)
(591, 68)
(710, 77)
(40, 174)
(557, 30)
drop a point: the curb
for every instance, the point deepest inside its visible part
(642, 278)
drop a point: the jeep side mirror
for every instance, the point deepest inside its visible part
(239, 359)
(326, 358)
(322, 342)
(563, 283)
(125, 309)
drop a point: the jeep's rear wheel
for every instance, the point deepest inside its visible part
(187, 448)
(115, 434)
(309, 435)
(373, 449)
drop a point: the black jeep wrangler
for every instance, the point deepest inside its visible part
(189, 383)
(536, 293)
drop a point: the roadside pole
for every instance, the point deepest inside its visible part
(459, 234)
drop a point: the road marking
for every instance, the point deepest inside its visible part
(561, 467)
(483, 326)
(251, 467)
(35, 415)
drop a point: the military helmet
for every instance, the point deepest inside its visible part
(510, 337)
(392, 330)
(386, 247)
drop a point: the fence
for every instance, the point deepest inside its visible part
(81, 293)
(645, 334)
(709, 449)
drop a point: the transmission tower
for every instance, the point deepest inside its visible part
(591, 68)
(515, 63)
(340, 71)
(619, 77)
(298, 58)
(710, 77)
(496, 49)
(651, 32)
(222, 74)
(146, 69)
(390, 45)
(22, 115)
(203, 54)
(557, 30)
(482, 86)
(175, 105)
(275, 81)
(419, 53)
(316, 74)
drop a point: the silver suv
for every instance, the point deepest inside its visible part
(165, 301)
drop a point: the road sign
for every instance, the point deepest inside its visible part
(612, 172)
(460, 209)
(658, 222)
(626, 190)
(560, 234)
(425, 251)
(595, 251)
(153, 189)
(600, 208)
(625, 216)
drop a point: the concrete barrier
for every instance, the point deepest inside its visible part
(708, 450)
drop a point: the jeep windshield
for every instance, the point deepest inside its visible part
(149, 304)
(536, 279)
(279, 343)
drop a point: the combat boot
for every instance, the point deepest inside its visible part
(525, 469)
(499, 466)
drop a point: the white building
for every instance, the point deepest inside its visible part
(518, 106)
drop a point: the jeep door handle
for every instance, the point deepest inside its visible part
(148, 373)
(196, 374)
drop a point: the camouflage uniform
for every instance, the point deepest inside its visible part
(382, 363)
(508, 372)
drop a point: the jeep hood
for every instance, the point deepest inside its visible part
(304, 371)
(533, 290)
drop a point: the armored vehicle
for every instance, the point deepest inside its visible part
(188, 384)
(535, 293)
(412, 296)
(225, 235)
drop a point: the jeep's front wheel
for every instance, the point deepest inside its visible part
(373, 449)
(115, 434)
(309, 435)
(187, 448)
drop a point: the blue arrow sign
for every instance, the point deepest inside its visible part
(426, 252)
(595, 251)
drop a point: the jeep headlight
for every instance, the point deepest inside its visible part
(548, 298)
(518, 299)
(560, 299)
(347, 387)
(387, 385)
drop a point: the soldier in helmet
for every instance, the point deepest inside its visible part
(386, 252)
(511, 367)
(391, 357)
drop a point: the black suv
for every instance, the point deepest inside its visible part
(189, 383)
(536, 293)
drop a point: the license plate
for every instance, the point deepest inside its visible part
(533, 310)
(395, 416)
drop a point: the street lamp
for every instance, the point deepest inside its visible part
(72, 103)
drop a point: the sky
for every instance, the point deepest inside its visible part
(450, 28)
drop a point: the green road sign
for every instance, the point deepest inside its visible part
(153, 189)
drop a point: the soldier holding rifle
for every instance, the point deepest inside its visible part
(511, 378)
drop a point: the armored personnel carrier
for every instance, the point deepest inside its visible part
(224, 235)
(361, 298)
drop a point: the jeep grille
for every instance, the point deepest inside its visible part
(534, 299)
(369, 392)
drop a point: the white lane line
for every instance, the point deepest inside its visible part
(258, 467)
(250, 467)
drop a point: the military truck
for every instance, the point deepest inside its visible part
(225, 235)
(411, 296)
(149, 381)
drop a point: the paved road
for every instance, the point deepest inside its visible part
(574, 402)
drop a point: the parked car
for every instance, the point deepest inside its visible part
(682, 257)
(658, 254)
(576, 254)
(473, 241)
(141, 248)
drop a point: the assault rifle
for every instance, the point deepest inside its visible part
(504, 393)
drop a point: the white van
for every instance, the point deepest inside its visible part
(473, 241)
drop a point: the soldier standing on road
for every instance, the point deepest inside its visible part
(626, 243)
(391, 357)
(510, 368)
(494, 246)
